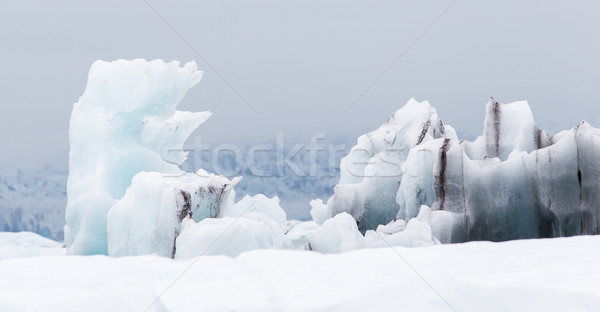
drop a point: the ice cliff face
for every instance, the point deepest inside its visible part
(513, 182)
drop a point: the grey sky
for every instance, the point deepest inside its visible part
(301, 63)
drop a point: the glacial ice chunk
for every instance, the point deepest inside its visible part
(147, 220)
(258, 203)
(371, 173)
(338, 234)
(124, 123)
(513, 182)
(126, 193)
(229, 236)
(320, 211)
(301, 231)
(341, 234)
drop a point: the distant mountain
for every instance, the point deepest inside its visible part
(33, 199)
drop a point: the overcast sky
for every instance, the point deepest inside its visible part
(300, 64)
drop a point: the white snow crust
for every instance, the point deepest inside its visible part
(540, 275)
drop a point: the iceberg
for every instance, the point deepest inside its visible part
(124, 123)
(371, 173)
(126, 192)
(513, 182)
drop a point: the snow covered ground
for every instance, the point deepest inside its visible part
(559, 274)
(27, 244)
